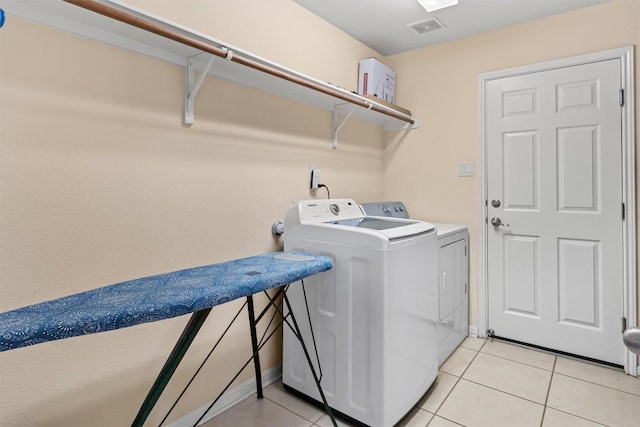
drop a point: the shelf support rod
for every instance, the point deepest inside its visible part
(335, 127)
(191, 88)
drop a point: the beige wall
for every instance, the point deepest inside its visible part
(101, 183)
(440, 85)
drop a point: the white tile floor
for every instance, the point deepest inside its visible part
(484, 383)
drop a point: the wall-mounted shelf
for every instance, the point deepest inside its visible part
(119, 24)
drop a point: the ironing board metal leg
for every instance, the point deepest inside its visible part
(298, 334)
(178, 352)
(254, 345)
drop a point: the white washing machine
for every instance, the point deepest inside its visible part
(453, 308)
(373, 315)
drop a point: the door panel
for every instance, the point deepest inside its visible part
(520, 160)
(554, 153)
(520, 265)
(578, 149)
(519, 103)
(577, 95)
(579, 282)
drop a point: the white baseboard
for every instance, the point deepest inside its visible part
(230, 398)
(473, 331)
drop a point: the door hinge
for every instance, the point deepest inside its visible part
(624, 324)
(621, 97)
(624, 212)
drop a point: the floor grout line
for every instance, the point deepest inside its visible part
(454, 385)
(458, 377)
(598, 384)
(528, 350)
(503, 392)
(295, 413)
(484, 385)
(519, 362)
(445, 418)
(546, 400)
(578, 416)
(467, 368)
(446, 397)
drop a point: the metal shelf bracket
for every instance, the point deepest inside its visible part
(192, 85)
(335, 127)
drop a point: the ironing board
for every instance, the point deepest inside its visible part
(149, 299)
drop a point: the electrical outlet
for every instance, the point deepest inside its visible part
(315, 179)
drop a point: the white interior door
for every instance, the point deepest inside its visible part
(554, 181)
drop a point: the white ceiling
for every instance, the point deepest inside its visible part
(383, 24)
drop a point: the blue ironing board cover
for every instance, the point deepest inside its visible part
(154, 298)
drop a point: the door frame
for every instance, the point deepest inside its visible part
(630, 294)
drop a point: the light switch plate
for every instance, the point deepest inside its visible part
(465, 168)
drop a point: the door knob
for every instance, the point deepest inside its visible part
(631, 338)
(495, 203)
(497, 222)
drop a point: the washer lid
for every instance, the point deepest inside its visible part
(393, 228)
(373, 223)
(347, 215)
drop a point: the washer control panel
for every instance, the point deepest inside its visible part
(390, 209)
(325, 210)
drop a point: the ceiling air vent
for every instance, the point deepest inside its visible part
(428, 26)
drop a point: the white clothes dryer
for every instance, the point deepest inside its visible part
(453, 277)
(373, 315)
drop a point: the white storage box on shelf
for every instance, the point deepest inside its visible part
(375, 78)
